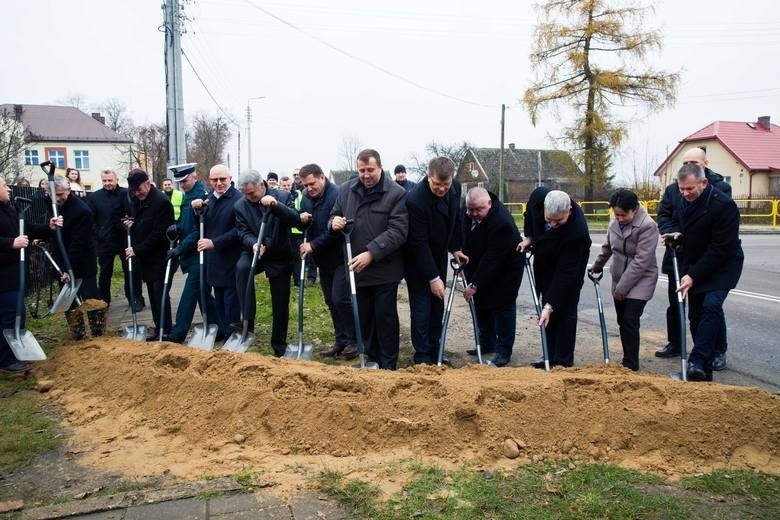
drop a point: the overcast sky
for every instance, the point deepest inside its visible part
(449, 65)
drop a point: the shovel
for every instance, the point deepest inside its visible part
(203, 336)
(604, 341)
(56, 268)
(22, 342)
(474, 324)
(347, 231)
(241, 342)
(301, 350)
(683, 375)
(172, 238)
(134, 331)
(70, 290)
(538, 305)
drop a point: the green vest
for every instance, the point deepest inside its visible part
(176, 197)
(297, 204)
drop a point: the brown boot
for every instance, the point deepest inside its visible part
(75, 319)
(333, 351)
(350, 352)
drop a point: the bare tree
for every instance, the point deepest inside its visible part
(76, 100)
(12, 141)
(150, 150)
(117, 117)
(207, 142)
(455, 151)
(350, 148)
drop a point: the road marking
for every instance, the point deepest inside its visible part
(738, 292)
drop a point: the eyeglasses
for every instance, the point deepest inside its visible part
(218, 179)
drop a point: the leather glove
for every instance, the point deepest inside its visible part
(172, 253)
(172, 232)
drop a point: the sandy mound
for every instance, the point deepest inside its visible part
(152, 408)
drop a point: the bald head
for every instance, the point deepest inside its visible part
(696, 156)
(219, 177)
(478, 203)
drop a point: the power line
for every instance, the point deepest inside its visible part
(228, 116)
(364, 61)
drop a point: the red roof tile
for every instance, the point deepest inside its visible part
(757, 148)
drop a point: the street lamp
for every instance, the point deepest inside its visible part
(249, 128)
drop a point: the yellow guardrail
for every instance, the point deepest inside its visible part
(751, 211)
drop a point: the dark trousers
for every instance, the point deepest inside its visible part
(228, 308)
(335, 292)
(296, 240)
(155, 291)
(425, 311)
(280, 301)
(378, 308)
(562, 335)
(106, 266)
(672, 315)
(497, 329)
(7, 321)
(629, 311)
(708, 325)
(190, 298)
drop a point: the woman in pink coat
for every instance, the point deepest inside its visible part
(632, 237)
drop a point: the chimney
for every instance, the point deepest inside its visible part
(764, 121)
(511, 146)
(18, 110)
(97, 117)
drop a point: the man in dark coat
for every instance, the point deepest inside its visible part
(561, 245)
(77, 229)
(10, 244)
(327, 250)
(376, 207)
(494, 271)
(667, 223)
(435, 228)
(401, 180)
(187, 254)
(107, 205)
(712, 260)
(148, 216)
(222, 245)
(275, 253)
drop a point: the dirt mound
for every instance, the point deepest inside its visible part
(149, 408)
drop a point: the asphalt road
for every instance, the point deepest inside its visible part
(752, 311)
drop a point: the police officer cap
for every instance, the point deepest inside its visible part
(181, 171)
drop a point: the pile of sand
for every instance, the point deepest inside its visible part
(147, 409)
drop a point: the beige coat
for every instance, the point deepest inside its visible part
(634, 267)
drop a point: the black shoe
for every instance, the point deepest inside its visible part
(349, 352)
(473, 351)
(719, 361)
(331, 352)
(697, 373)
(502, 361)
(239, 327)
(172, 339)
(539, 363)
(17, 367)
(669, 351)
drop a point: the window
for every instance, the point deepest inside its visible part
(82, 159)
(57, 157)
(31, 157)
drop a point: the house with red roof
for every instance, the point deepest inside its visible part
(69, 138)
(747, 154)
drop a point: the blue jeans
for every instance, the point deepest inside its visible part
(497, 329)
(708, 325)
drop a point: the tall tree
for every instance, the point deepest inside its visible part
(117, 117)
(207, 142)
(12, 141)
(150, 151)
(589, 55)
(455, 151)
(350, 148)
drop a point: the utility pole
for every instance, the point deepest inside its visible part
(539, 167)
(501, 158)
(174, 92)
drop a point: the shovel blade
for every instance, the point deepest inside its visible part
(137, 333)
(239, 343)
(203, 337)
(65, 298)
(291, 352)
(25, 347)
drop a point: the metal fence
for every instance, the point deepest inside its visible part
(752, 211)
